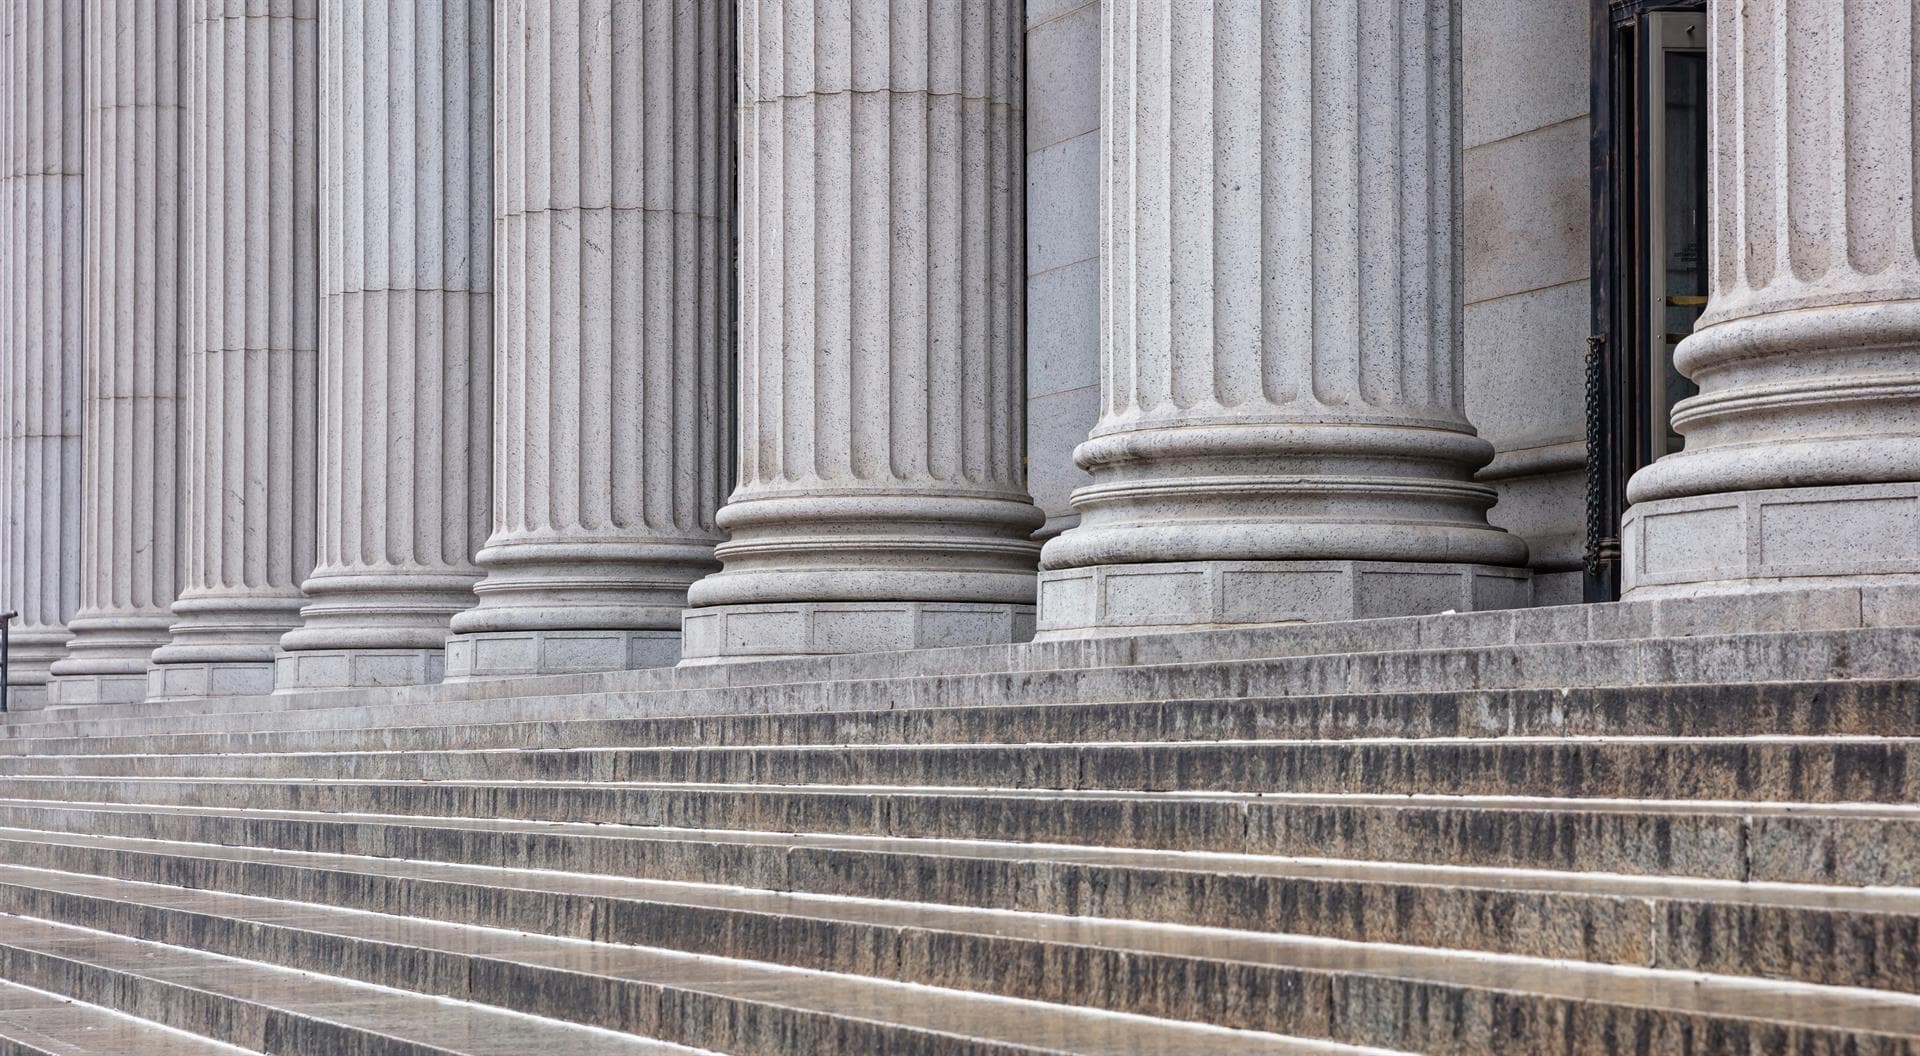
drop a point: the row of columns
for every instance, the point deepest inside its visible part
(413, 348)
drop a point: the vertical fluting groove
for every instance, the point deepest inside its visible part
(881, 359)
(1805, 353)
(252, 396)
(1912, 129)
(406, 342)
(134, 324)
(1350, 118)
(42, 236)
(1279, 313)
(614, 303)
(1813, 165)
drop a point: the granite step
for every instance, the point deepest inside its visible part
(1465, 1004)
(1795, 612)
(617, 992)
(1869, 654)
(38, 1023)
(1885, 708)
(270, 1009)
(567, 826)
(1758, 768)
(1812, 934)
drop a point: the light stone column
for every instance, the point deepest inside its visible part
(882, 501)
(615, 284)
(406, 339)
(248, 449)
(1802, 456)
(1282, 432)
(41, 297)
(134, 324)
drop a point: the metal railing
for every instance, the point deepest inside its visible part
(6, 644)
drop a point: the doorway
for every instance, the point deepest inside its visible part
(1649, 245)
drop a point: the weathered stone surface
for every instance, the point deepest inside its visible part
(42, 298)
(615, 241)
(882, 500)
(406, 340)
(252, 398)
(136, 321)
(1283, 432)
(1801, 463)
(1510, 832)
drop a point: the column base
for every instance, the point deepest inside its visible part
(778, 630)
(316, 669)
(1752, 541)
(34, 651)
(1203, 595)
(118, 687)
(196, 680)
(500, 654)
(31, 696)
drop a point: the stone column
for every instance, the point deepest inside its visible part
(611, 405)
(406, 339)
(41, 296)
(134, 323)
(248, 467)
(1802, 456)
(1282, 433)
(882, 500)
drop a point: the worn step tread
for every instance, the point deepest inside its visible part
(1016, 1025)
(1888, 811)
(1760, 767)
(1150, 671)
(1842, 1010)
(1876, 708)
(1859, 844)
(1696, 992)
(47, 1024)
(440, 1024)
(1900, 900)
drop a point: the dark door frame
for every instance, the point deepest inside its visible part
(1617, 404)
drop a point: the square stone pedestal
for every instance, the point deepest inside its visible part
(1176, 596)
(119, 688)
(499, 654)
(1749, 541)
(193, 681)
(317, 669)
(778, 630)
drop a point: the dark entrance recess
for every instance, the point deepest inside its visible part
(1649, 242)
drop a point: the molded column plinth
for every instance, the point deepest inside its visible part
(1802, 450)
(250, 399)
(615, 250)
(1282, 434)
(882, 500)
(406, 340)
(134, 322)
(42, 279)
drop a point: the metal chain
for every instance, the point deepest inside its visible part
(1596, 512)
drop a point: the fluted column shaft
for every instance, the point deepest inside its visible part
(134, 321)
(1282, 433)
(253, 202)
(41, 297)
(612, 394)
(406, 338)
(1802, 449)
(882, 499)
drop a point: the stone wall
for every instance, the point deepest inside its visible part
(1063, 247)
(1527, 271)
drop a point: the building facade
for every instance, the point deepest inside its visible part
(349, 343)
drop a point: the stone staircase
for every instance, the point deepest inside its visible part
(1673, 828)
